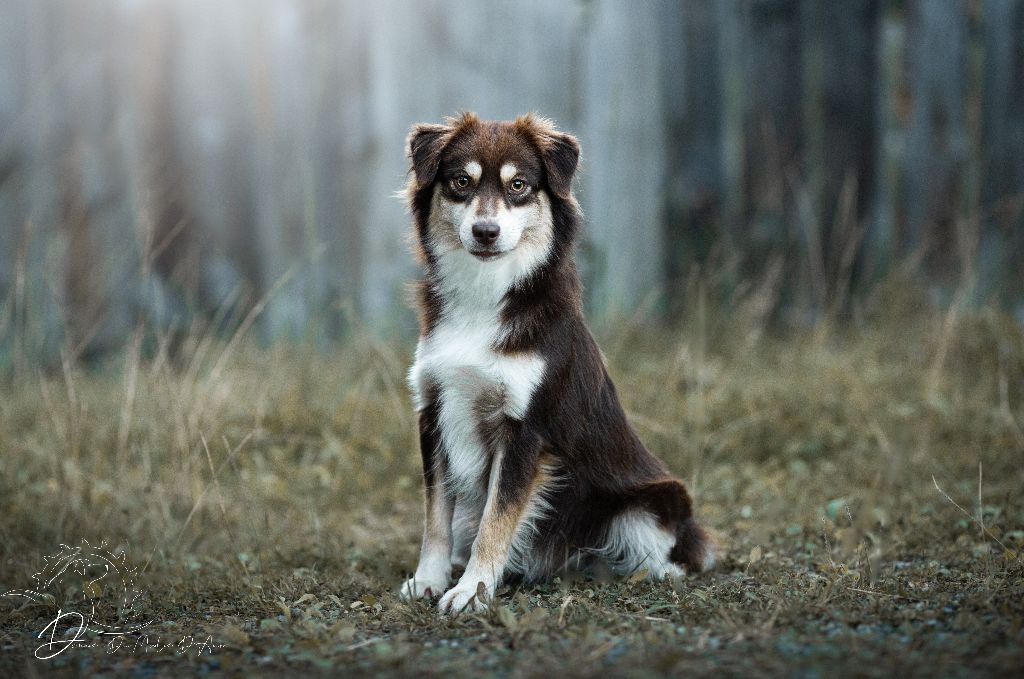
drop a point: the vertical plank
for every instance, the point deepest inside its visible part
(39, 332)
(732, 18)
(340, 157)
(624, 157)
(214, 139)
(403, 87)
(762, 105)
(772, 116)
(1002, 152)
(14, 114)
(693, 112)
(892, 111)
(282, 169)
(96, 217)
(840, 129)
(937, 141)
(172, 231)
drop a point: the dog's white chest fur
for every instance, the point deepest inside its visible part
(474, 382)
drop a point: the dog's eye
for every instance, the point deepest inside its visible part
(517, 186)
(461, 181)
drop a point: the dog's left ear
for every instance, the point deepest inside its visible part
(426, 142)
(560, 153)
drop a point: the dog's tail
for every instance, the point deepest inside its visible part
(694, 548)
(668, 499)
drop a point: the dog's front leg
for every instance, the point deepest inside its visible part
(515, 482)
(435, 567)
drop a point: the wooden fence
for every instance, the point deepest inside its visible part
(170, 160)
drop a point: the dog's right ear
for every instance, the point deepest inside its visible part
(426, 142)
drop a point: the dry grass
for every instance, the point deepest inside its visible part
(272, 500)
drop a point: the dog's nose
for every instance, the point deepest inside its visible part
(486, 232)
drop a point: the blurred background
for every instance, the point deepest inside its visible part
(170, 164)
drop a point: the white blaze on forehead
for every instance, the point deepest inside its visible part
(508, 170)
(474, 170)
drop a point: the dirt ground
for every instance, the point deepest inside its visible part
(864, 486)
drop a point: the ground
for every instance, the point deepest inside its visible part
(863, 481)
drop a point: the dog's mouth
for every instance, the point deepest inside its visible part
(486, 255)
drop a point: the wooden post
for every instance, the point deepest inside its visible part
(624, 157)
(1002, 152)
(693, 111)
(937, 139)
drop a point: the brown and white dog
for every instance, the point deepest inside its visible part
(529, 463)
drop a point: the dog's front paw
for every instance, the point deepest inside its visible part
(463, 598)
(422, 588)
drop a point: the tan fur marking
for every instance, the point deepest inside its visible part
(443, 231)
(498, 529)
(438, 509)
(542, 231)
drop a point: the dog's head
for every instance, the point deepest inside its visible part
(487, 186)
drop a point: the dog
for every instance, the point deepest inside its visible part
(529, 464)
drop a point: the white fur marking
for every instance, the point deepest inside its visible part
(458, 358)
(508, 170)
(474, 170)
(635, 542)
(431, 579)
(709, 560)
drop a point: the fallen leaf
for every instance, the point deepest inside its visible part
(234, 635)
(507, 618)
(639, 576)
